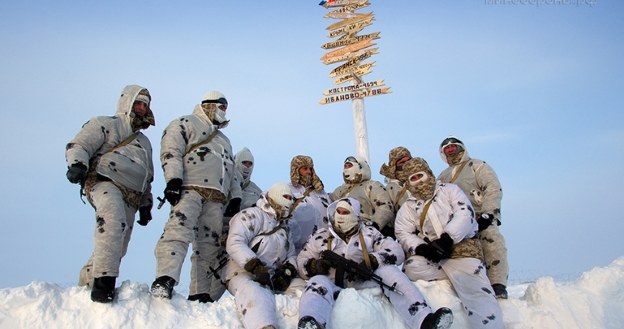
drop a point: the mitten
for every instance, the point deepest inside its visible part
(76, 173)
(484, 221)
(173, 191)
(443, 245)
(261, 275)
(145, 215)
(317, 267)
(429, 252)
(283, 276)
(233, 207)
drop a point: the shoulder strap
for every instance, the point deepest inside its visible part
(202, 142)
(298, 200)
(399, 197)
(458, 171)
(125, 141)
(275, 229)
(423, 214)
(364, 250)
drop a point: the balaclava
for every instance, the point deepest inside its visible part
(244, 155)
(461, 149)
(423, 187)
(390, 170)
(210, 104)
(359, 171)
(346, 225)
(278, 201)
(296, 163)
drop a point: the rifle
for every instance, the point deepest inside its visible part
(343, 265)
(215, 271)
(161, 202)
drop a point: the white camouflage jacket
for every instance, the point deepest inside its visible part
(210, 165)
(129, 165)
(450, 212)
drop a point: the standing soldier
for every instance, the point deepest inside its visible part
(112, 161)
(480, 183)
(198, 165)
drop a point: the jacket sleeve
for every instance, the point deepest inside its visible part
(173, 146)
(384, 210)
(462, 224)
(86, 143)
(242, 227)
(236, 190)
(406, 228)
(311, 250)
(490, 186)
(386, 250)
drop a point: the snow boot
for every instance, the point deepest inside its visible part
(163, 287)
(440, 319)
(103, 290)
(500, 291)
(308, 322)
(202, 298)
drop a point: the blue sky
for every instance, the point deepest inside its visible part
(533, 88)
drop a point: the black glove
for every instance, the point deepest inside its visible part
(317, 266)
(484, 221)
(443, 245)
(261, 275)
(429, 252)
(283, 276)
(173, 191)
(233, 207)
(145, 215)
(77, 173)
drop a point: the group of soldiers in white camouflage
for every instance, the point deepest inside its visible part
(293, 236)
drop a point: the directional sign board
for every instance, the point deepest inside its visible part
(352, 49)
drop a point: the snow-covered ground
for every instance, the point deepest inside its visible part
(595, 300)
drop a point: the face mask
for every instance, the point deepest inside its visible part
(345, 223)
(421, 185)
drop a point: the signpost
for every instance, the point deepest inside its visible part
(352, 49)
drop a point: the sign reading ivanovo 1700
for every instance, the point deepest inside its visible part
(350, 49)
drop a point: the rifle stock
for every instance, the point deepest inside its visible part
(346, 265)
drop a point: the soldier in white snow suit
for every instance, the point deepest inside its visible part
(198, 165)
(112, 161)
(348, 237)
(438, 232)
(372, 195)
(393, 173)
(262, 257)
(479, 181)
(245, 164)
(309, 211)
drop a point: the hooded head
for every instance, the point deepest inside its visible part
(355, 170)
(281, 199)
(244, 163)
(215, 106)
(302, 173)
(396, 158)
(420, 179)
(344, 216)
(453, 151)
(130, 95)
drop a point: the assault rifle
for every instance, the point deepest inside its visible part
(343, 265)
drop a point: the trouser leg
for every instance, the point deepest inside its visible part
(179, 232)
(495, 254)
(317, 299)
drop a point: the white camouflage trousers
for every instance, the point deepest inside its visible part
(318, 300)
(198, 221)
(495, 254)
(113, 229)
(467, 275)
